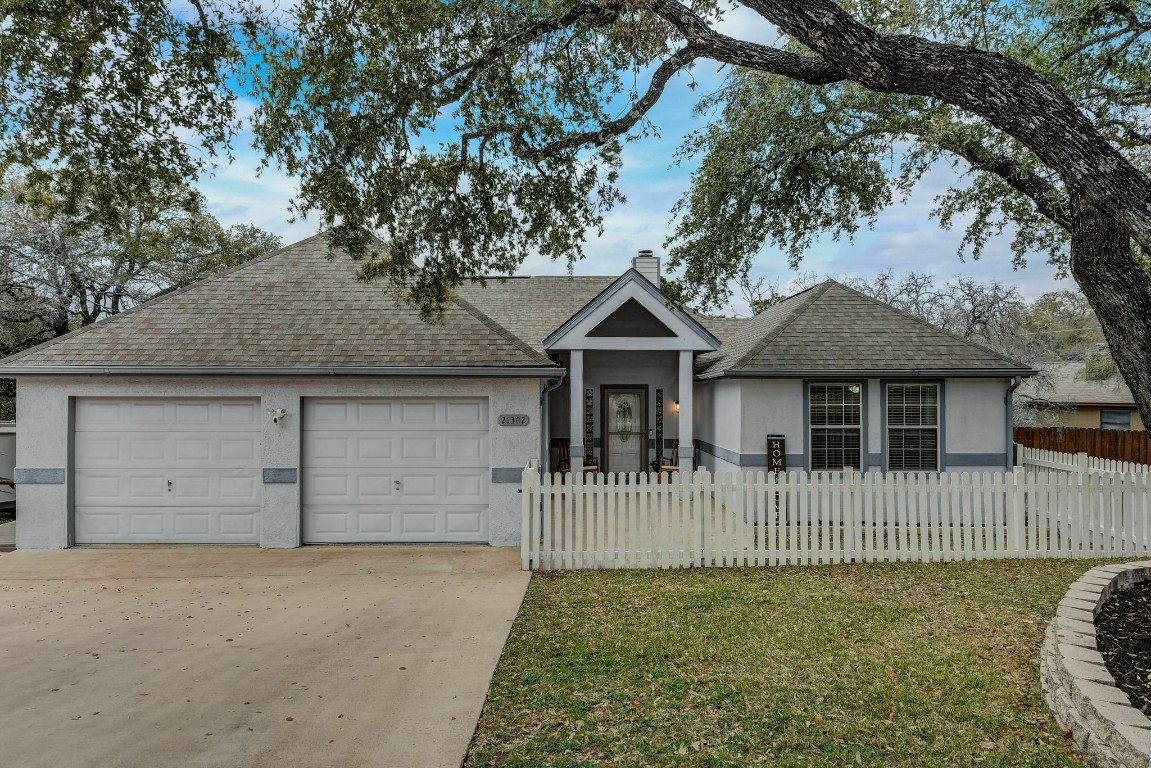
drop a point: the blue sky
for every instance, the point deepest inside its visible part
(905, 236)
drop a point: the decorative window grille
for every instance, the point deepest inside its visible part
(913, 427)
(589, 422)
(836, 412)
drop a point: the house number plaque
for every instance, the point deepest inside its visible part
(776, 453)
(513, 420)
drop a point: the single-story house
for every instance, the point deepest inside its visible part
(285, 402)
(1064, 395)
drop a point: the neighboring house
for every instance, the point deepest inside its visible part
(1062, 395)
(285, 402)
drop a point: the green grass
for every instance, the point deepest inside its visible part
(875, 665)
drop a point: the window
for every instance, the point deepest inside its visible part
(913, 427)
(836, 411)
(1115, 418)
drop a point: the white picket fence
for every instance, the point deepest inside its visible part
(1078, 463)
(574, 521)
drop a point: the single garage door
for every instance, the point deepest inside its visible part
(381, 470)
(167, 471)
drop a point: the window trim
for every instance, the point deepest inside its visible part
(808, 427)
(940, 423)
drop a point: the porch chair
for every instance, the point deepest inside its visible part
(669, 465)
(590, 463)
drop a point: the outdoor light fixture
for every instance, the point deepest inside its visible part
(676, 406)
(277, 414)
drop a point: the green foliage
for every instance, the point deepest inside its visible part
(1063, 323)
(61, 268)
(472, 133)
(101, 97)
(813, 160)
(1099, 367)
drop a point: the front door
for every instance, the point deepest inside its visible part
(625, 419)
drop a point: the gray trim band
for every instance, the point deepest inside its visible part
(974, 460)
(936, 373)
(875, 459)
(38, 475)
(794, 460)
(280, 475)
(223, 370)
(507, 474)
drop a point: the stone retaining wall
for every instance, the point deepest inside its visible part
(1076, 683)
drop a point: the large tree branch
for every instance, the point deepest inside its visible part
(728, 50)
(597, 137)
(1009, 95)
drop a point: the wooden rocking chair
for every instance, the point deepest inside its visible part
(590, 463)
(669, 465)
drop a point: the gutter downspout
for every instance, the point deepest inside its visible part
(1009, 401)
(545, 420)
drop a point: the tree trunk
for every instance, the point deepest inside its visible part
(1120, 293)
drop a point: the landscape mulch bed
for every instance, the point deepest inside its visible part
(1123, 636)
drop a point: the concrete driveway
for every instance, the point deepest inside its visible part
(215, 656)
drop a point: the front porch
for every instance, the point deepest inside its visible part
(627, 399)
(628, 410)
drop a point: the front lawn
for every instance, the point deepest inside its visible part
(875, 665)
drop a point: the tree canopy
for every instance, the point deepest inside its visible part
(471, 133)
(60, 271)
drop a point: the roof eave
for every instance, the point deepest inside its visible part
(887, 373)
(248, 370)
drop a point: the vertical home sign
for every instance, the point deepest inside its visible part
(776, 453)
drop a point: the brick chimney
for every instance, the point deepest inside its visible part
(647, 265)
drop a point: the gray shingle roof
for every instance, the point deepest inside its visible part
(299, 308)
(1066, 383)
(831, 327)
(294, 307)
(533, 307)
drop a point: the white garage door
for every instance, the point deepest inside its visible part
(411, 469)
(167, 471)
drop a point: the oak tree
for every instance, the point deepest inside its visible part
(471, 133)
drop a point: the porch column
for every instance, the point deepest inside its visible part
(686, 446)
(575, 390)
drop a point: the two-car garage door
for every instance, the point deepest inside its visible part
(395, 469)
(151, 470)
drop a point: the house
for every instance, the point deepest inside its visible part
(285, 402)
(1066, 395)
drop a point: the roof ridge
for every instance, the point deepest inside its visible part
(507, 335)
(815, 292)
(926, 324)
(159, 298)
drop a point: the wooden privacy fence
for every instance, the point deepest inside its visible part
(1115, 444)
(573, 521)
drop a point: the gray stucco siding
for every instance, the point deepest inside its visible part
(45, 403)
(973, 425)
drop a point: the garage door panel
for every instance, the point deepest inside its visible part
(410, 523)
(418, 414)
(167, 470)
(395, 449)
(173, 525)
(418, 450)
(413, 470)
